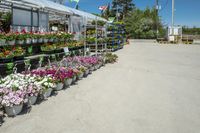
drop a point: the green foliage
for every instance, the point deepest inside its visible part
(191, 31)
(5, 21)
(123, 6)
(99, 23)
(143, 24)
(110, 58)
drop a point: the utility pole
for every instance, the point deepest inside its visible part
(157, 13)
(172, 17)
(172, 13)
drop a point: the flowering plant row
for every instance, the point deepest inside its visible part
(29, 37)
(19, 89)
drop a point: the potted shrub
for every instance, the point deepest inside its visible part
(10, 38)
(2, 39)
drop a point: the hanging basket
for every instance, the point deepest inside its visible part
(20, 42)
(40, 40)
(46, 40)
(2, 42)
(13, 111)
(32, 100)
(59, 87)
(68, 81)
(28, 41)
(11, 42)
(47, 93)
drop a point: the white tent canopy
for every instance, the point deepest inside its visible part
(55, 7)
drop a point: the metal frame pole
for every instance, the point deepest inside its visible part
(96, 37)
(172, 13)
(157, 19)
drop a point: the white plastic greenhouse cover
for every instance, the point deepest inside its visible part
(55, 6)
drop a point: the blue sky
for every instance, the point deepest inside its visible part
(187, 12)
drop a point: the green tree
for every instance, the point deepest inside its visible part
(143, 23)
(123, 7)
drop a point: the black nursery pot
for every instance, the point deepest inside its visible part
(48, 52)
(6, 60)
(58, 51)
(16, 58)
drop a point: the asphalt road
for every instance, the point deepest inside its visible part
(152, 89)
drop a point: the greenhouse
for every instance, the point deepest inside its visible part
(46, 47)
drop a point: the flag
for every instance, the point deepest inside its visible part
(77, 1)
(103, 8)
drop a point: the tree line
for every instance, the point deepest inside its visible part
(141, 24)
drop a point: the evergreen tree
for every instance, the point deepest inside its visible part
(123, 7)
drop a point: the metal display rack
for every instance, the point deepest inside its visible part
(35, 10)
(116, 37)
(99, 44)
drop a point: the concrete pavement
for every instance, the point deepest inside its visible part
(152, 89)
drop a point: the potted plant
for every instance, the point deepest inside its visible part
(10, 38)
(78, 73)
(45, 38)
(41, 38)
(34, 38)
(48, 49)
(50, 37)
(83, 70)
(69, 77)
(12, 101)
(18, 53)
(20, 38)
(2, 39)
(110, 58)
(32, 91)
(6, 56)
(47, 85)
(28, 38)
(58, 79)
(61, 37)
